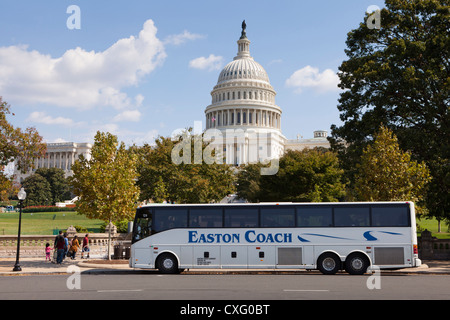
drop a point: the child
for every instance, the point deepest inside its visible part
(48, 250)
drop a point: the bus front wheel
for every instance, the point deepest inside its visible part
(167, 263)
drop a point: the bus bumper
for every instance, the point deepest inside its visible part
(417, 262)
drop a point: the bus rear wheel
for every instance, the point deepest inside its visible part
(329, 263)
(356, 263)
(167, 263)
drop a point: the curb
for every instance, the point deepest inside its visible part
(104, 266)
(92, 268)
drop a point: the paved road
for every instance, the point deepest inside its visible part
(224, 287)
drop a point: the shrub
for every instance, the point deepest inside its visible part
(33, 209)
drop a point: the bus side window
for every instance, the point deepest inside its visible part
(314, 217)
(351, 216)
(241, 218)
(205, 218)
(389, 216)
(169, 218)
(277, 217)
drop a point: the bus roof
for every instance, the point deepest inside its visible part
(268, 203)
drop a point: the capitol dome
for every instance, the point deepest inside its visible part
(243, 95)
(243, 69)
(243, 100)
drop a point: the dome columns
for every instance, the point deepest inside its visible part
(243, 117)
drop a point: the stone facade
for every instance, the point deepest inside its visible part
(58, 155)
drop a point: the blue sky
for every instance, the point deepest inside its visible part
(140, 69)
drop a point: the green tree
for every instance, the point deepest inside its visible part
(399, 76)
(105, 183)
(58, 183)
(310, 175)
(161, 179)
(23, 147)
(386, 173)
(248, 182)
(38, 190)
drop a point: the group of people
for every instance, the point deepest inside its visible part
(65, 248)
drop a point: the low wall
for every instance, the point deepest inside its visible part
(431, 248)
(34, 245)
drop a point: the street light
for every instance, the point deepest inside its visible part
(21, 195)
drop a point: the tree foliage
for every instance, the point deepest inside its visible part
(399, 76)
(310, 175)
(23, 147)
(46, 187)
(105, 183)
(59, 185)
(386, 173)
(39, 192)
(160, 179)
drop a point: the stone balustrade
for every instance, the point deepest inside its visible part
(34, 245)
(431, 248)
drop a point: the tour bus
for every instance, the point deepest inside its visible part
(324, 236)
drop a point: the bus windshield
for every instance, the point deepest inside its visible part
(142, 224)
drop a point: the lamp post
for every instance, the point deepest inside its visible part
(21, 195)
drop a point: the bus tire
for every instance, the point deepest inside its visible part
(356, 263)
(329, 263)
(167, 263)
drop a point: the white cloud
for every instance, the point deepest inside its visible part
(211, 63)
(181, 38)
(310, 77)
(41, 117)
(81, 78)
(128, 115)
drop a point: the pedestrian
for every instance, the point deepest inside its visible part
(48, 251)
(56, 238)
(66, 245)
(85, 246)
(74, 247)
(60, 247)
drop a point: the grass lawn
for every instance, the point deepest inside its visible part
(432, 225)
(44, 222)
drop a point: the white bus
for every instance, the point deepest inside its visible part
(325, 236)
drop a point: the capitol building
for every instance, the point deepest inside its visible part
(58, 155)
(244, 110)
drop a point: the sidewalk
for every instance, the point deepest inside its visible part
(38, 266)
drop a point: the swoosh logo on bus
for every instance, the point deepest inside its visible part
(319, 235)
(302, 239)
(370, 237)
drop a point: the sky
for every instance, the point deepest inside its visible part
(140, 69)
